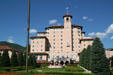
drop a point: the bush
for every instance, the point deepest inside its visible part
(44, 65)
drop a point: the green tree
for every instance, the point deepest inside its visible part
(5, 59)
(99, 62)
(111, 61)
(24, 57)
(0, 60)
(88, 58)
(82, 58)
(32, 60)
(14, 61)
(20, 59)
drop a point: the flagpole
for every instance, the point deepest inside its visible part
(28, 27)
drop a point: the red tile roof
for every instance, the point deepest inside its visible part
(37, 37)
(83, 32)
(67, 15)
(61, 26)
(86, 39)
(42, 32)
(5, 48)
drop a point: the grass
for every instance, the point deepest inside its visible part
(68, 70)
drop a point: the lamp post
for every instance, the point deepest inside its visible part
(28, 26)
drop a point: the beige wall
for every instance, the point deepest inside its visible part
(38, 45)
(109, 54)
(62, 42)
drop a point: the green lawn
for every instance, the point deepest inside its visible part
(68, 70)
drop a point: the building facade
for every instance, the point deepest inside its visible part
(60, 42)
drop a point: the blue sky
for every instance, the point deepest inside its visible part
(96, 17)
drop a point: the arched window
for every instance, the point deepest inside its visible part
(67, 19)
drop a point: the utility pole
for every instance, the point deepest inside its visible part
(28, 27)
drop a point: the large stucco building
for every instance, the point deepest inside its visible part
(60, 42)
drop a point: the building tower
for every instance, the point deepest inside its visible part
(67, 33)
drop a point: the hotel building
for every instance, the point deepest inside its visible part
(60, 42)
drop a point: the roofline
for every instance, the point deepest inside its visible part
(61, 26)
(40, 53)
(87, 39)
(42, 32)
(83, 32)
(67, 15)
(33, 37)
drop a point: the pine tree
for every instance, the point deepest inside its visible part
(0, 60)
(99, 63)
(82, 58)
(20, 59)
(5, 59)
(32, 60)
(85, 58)
(88, 59)
(14, 61)
(111, 61)
(24, 57)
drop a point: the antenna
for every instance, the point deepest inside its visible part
(67, 10)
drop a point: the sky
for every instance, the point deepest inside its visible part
(96, 17)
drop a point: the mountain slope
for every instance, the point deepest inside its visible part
(12, 45)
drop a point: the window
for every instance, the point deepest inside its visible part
(78, 31)
(33, 46)
(41, 49)
(53, 47)
(67, 19)
(41, 57)
(78, 38)
(68, 44)
(48, 56)
(41, 45)
(61, 35)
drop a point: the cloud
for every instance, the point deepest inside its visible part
(111, 38)
(33, 31)
(110, 29)
(10, 39)
(53, 21)
(91, 34)
(86, 18)
(90, 20)
(101, 35)
(98, 34)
